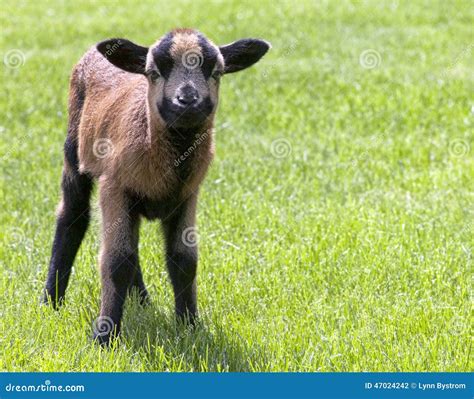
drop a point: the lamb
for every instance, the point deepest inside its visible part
(140, 123)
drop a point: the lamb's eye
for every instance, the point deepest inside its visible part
(154, 75)
(216, 75)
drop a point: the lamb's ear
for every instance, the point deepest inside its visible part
(243, 53)
(124, 54)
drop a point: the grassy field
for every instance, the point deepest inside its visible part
(335, 223)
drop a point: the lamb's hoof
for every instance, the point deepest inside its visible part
(188, 319)
(143, 296)
(51, 300)
(104, 330)
(145, 300)
(103, 340)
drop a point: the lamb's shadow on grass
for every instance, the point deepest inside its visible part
(167, 344)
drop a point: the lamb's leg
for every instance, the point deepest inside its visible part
(71, 226)
(118, 260)
(73, 212)
(181, 258)
(137, 282)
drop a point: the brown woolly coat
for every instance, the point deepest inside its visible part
(116, 112)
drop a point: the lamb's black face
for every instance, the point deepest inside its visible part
(184, 69)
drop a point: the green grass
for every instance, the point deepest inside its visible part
(353, 252)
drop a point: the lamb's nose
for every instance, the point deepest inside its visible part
(187, 96)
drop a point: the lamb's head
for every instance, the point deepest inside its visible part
(183, 70)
